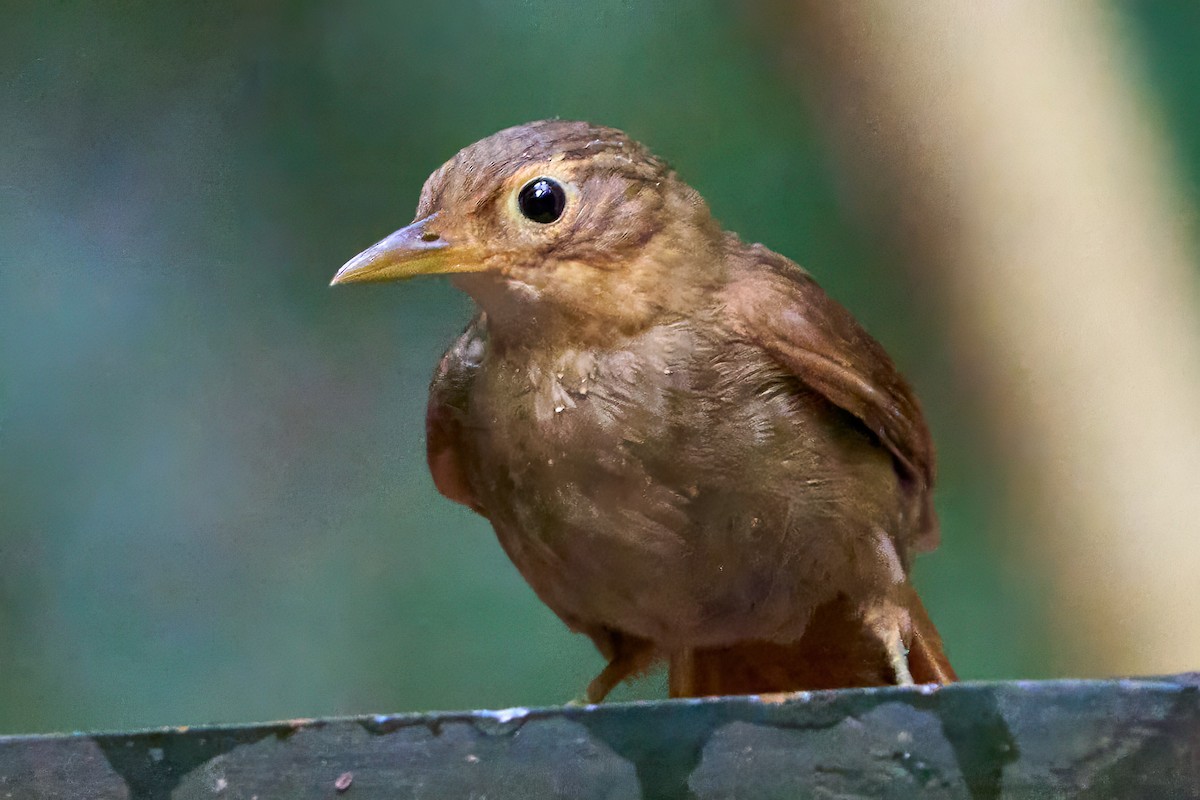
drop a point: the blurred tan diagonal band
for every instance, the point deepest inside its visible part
(1027, 172)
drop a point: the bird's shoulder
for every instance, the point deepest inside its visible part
(446, 445)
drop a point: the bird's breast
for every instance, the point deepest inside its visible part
(659, 485)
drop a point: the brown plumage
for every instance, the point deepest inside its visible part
(687, 448)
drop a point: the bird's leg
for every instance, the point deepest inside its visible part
(616, 671)
(630, 656)
(681, 676)
(890, 623)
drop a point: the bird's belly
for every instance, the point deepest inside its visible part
(695, 534)
(725, 567)
(689, 586)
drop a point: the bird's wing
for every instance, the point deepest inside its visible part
(778, 306)
(446, 446)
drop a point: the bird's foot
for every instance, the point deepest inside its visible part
(890, 623)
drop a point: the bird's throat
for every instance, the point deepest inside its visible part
(521, 314)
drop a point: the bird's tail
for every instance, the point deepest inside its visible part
(837, 650)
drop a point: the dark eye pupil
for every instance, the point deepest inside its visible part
(542, 200)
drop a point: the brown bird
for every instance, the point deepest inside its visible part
(688, 449)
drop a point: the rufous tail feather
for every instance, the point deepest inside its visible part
(836, 651)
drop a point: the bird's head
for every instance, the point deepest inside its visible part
(557, 223)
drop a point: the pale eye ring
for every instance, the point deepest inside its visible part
(542, 200)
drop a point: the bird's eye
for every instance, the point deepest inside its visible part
(542, 200)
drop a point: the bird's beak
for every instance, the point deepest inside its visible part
(418, 249)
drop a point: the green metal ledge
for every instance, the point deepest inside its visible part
(1071, 739)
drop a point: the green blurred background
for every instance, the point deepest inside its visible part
(214, 504)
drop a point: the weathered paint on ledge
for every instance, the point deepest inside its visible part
(1076, 739)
